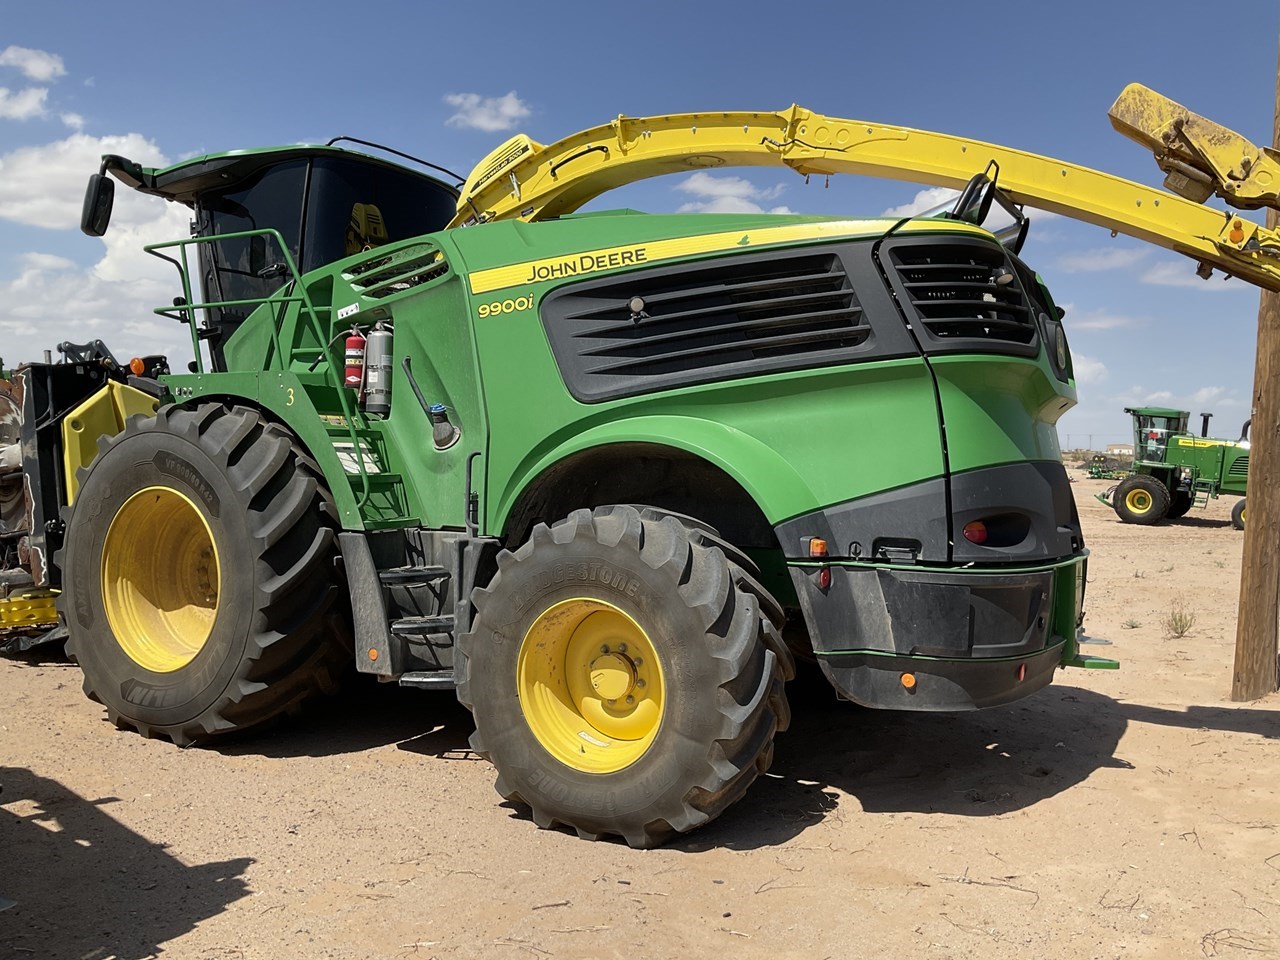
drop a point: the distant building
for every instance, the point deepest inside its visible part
(1120, 449)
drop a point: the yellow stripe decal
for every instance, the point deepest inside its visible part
(612, 258)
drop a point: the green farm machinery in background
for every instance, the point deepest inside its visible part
(1174, 470)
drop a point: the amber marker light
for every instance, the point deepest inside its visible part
(373, 653)
(137, 367)
(1237, 232)
(908, 681)
(818, 549)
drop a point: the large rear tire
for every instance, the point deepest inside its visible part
(1237, 514)
(1141, 499)
(622, 672)
(198, 578)
(1181, 502)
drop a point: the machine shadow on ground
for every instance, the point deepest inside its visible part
(86, 886)
(984, 763)
(364, 715)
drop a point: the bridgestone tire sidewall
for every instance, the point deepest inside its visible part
(658, 781)
(159, 699)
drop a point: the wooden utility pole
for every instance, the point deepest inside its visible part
(1257, 671)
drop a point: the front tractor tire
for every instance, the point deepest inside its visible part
(1141, 499)
(1237, 514)
(625, 672)
(199, 586)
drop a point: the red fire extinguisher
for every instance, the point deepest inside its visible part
(353, 373)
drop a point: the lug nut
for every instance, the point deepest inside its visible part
(604, 648)
(639, 683)
(622, 648)
(631, 699)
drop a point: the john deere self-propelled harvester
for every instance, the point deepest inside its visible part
(584, 469)
(1174, 470)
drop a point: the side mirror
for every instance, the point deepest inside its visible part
(975, 201)
(98, 198)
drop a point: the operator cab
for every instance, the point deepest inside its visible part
(1152, 428)
(325, 202)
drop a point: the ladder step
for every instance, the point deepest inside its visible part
(420, 626)
(402, 575)
(377, 479)
(428, 679)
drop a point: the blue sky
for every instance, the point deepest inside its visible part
(448, 83)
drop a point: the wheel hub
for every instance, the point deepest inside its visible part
(590, 685)
(160, 579)
(613, 676)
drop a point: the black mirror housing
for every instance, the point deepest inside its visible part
(99, 196)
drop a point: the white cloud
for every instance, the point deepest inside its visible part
(1087, 369)
(727, 195)
(34, 64)
(44, 186)
(51, 298)
(73, 120)
(926, 199)
(46, 261)
(486, 113)
(1213, 397)
(1101, 258)
(22, 105)
(1097, 319)
(1172, 273)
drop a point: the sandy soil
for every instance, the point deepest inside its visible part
(1128, 814)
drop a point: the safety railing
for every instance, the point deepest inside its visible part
(293, 291)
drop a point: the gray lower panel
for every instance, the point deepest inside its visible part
(926, 613)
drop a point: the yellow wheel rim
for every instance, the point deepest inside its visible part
(160, 579)
(1138, 501)
(590, 685)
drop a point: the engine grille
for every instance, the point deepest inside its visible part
(950, 287)
(400, 271)
(731, 318)
(1240, 468)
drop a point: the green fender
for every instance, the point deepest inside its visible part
(767, 477)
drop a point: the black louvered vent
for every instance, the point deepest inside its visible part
(953, 292)
(400, 271)
(1240, 468)
(733, 318)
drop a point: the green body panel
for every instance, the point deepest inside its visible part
(1000, 409)
(1212, 460)
(796, 441)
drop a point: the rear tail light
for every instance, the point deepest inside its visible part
(975, 531)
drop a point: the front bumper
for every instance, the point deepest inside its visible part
(967, 638)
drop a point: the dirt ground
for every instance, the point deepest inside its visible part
(1128, 814)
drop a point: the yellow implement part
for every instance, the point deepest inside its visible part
(102, 415)
(526, 180)
(1199, 156)
(31, 608)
